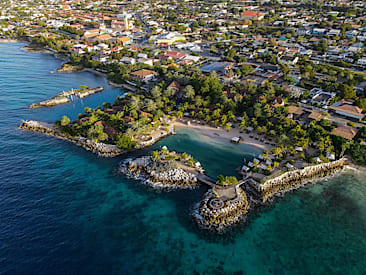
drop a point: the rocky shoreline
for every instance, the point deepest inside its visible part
(172, 173)
(218, 213)
(101, 149)
(64, 97)
(143, 169)
(67, 68)
(295, 179)
(213, 213)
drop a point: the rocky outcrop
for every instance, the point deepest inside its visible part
(102, 149)
(67, 68)
(294, 179)
(159, 174)
(215, 214)
(64, 97)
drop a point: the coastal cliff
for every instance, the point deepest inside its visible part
(105, 150)
(64, 97)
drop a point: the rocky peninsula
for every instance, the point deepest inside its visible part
(67, 68)
(224, 206)
(67, 96)
(101, 149)
(164, 169)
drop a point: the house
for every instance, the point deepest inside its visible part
(103, 37)
(346, 108)
(100, 57)
(169, 38)
(174, 55)
(147, 61)
(318, 96)
(316, 115)
(144, 75)
(223, 67)
(91, 34)
(295, 112)
(289, 59)
(252, 15)
(124, 40)
(128, 60)
(346, 132)
(118, 25)
(256, 80)
(175, 86)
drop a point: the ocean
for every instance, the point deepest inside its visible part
(64, 210)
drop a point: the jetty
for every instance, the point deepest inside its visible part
(67, 96)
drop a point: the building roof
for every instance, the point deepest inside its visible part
(104, 37)
(316, 115)
(346, 132)
(295, 110)
(175, 85)
(124, 39)
(252, 13)
(348, 109)
(143, 73)
(216, 66)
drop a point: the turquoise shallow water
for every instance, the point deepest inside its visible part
(66, 211)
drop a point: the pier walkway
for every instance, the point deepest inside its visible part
(206, 180)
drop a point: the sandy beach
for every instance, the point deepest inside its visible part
(220, 134)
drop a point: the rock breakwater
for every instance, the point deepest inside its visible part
(294, 179)
(101, 149)
(66, 97)
(217, 213)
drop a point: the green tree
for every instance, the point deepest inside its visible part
(124, 142)
(96, 133)
(65, 121)
(189, 92)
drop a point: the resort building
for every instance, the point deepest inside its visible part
(346, 132)
(345, 108)
(316, 115)
(144, 75)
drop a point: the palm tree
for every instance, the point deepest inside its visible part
(155, 155)
(228, 126)
(265, 154)
(277, 151)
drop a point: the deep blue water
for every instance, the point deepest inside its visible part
(65, 211)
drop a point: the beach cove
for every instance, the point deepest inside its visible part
(65, 209)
